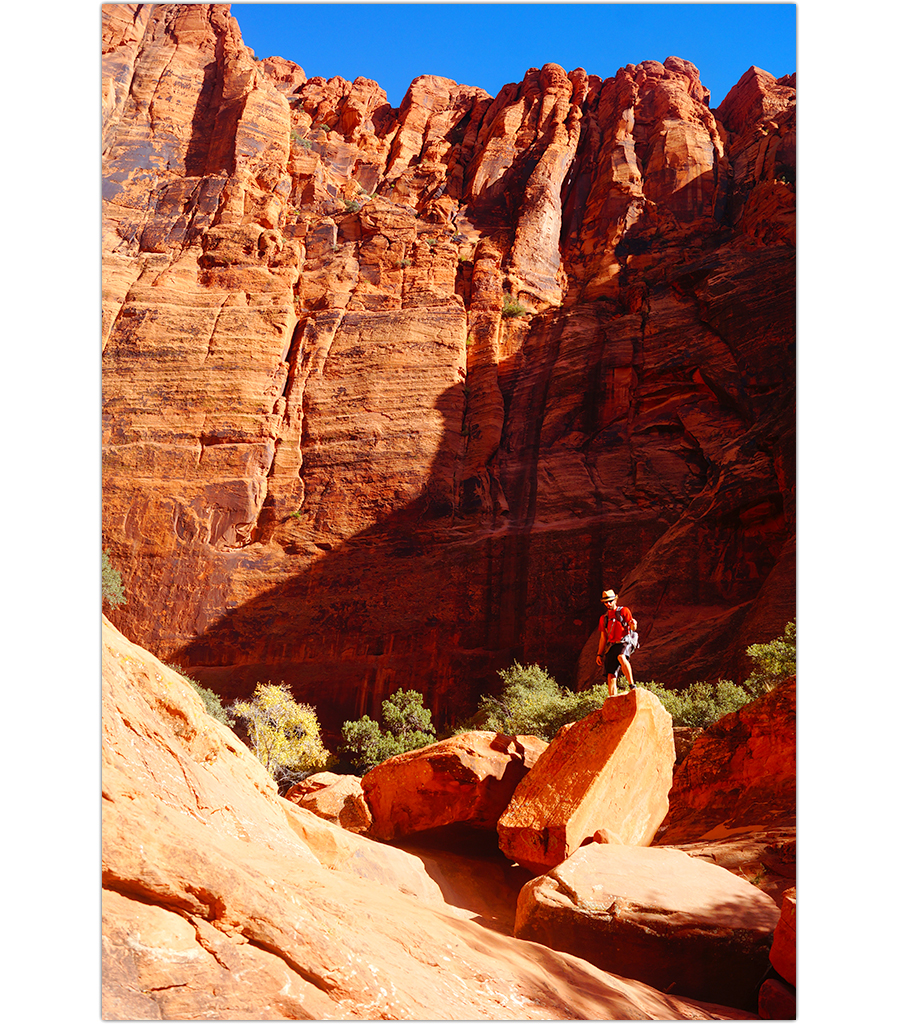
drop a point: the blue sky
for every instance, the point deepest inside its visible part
(489, 45)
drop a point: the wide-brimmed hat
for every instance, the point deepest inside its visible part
(608, 596)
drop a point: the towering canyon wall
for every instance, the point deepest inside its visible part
(330, 458)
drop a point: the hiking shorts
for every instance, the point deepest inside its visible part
(611, 663)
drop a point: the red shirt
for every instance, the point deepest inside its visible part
(615, 631)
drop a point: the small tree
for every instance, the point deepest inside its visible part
(111, 582)
(284, 734)
(775, 661)
(407, 726)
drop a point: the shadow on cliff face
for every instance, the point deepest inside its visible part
(426, 598)
(439, 593)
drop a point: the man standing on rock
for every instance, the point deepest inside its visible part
(618, 639)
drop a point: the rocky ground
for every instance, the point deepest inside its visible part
(223, 900)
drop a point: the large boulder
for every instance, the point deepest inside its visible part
(609, 773)
(468, 779)
(777, 1000)
(677, 923)
(335, 797)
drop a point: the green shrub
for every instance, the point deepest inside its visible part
(211, 701)
(213, 704)
(407, 726)
(352, 205)
(512, 309)
(284, 734)
(111, 583)
(534, 703)
(775, 661)
(701, 704)
(584, 703)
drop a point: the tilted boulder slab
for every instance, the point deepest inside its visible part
(677, 923)
(610, 772)
(335, 797)
(214, 908)
(467, 779)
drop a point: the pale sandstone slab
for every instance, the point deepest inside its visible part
(467, 779)
(345, 851)
(610, 772)
(687, 926)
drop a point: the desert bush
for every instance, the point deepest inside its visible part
(774, 661)
(210, 700)
(512, 309)
(284, 734)
(111, 582)
(534, 703)
(701, 703)
(213, 704)
(352, 205)
(407, 726)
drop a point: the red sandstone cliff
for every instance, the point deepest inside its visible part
(329, 457)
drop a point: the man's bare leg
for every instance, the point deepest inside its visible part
(626, 667)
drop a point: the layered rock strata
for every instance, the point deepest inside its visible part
(333, 454)
(733, 800)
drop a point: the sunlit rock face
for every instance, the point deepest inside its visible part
(335, 454)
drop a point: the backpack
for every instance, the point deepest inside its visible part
(631, 637)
